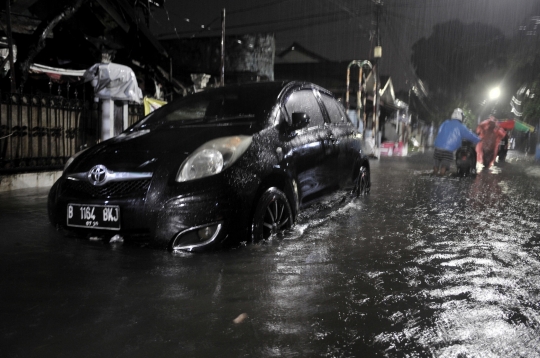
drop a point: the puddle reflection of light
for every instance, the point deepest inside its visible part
(505, 188)
(462, 330)
(469, 260)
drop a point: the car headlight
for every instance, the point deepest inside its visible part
(72, 158)
(213, 157)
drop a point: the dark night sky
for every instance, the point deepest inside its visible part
(340, 29)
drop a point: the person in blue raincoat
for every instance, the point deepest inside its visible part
(451, 132)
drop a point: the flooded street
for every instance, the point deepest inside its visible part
(421, 267)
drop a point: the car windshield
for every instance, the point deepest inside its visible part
(224, 104)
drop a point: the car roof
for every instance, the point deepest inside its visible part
(269, 86)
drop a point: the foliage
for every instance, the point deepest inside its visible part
(526, 59)
(456, 53)
(451, 62)
(531, 105)
(436, 108)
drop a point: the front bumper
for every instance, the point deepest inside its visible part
(208, 216)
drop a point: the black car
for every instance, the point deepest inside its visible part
(230, 164)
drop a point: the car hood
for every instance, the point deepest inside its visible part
(142, 151)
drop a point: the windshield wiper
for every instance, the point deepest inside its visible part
(242, 117)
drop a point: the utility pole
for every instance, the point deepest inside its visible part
(377, 53)
(146, 11)
(222, 69)
(10, 44)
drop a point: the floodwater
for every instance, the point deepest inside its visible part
(421, 267)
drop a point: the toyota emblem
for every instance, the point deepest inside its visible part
(98, 175)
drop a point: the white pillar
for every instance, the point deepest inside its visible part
(125, 118)
(107, 119)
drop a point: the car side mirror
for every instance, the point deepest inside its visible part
(299, 120)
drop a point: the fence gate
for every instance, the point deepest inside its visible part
(40, 132)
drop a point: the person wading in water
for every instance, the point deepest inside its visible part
(451, 132)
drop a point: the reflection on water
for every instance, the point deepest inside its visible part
(423, 266)
(451, 269)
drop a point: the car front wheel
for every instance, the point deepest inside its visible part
(272, 216)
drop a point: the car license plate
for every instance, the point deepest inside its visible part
(105, 217)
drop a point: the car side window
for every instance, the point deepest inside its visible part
(337, 115)
(304, 101)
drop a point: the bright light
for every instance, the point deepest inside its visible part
(494, 93)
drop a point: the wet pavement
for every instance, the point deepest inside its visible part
(422, 267)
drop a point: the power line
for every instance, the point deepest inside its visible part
(312, 20)
(362, 11)
(258, 7)
(268, 23)
(207, 26)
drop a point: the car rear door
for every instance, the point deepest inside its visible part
(342, 137)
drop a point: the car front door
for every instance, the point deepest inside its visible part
(306, 145)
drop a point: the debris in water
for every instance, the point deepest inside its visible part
(116, 238)
(240, 318)
(94, 238)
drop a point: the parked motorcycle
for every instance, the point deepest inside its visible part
(466, 159)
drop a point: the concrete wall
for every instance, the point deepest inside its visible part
(28, 180)
(245, 56)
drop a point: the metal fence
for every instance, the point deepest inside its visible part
(41, 132)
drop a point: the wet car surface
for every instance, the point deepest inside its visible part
(421, 267)
(214, 168)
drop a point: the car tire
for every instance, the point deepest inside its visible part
(272, 215)
(362, 181)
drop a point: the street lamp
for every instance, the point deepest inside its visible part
(494, 93)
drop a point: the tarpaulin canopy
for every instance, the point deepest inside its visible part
(507, 124)
(516, 124)
(523, 127)
(57, 74)
(151, 104)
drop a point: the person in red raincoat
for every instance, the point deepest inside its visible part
(491, 134)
